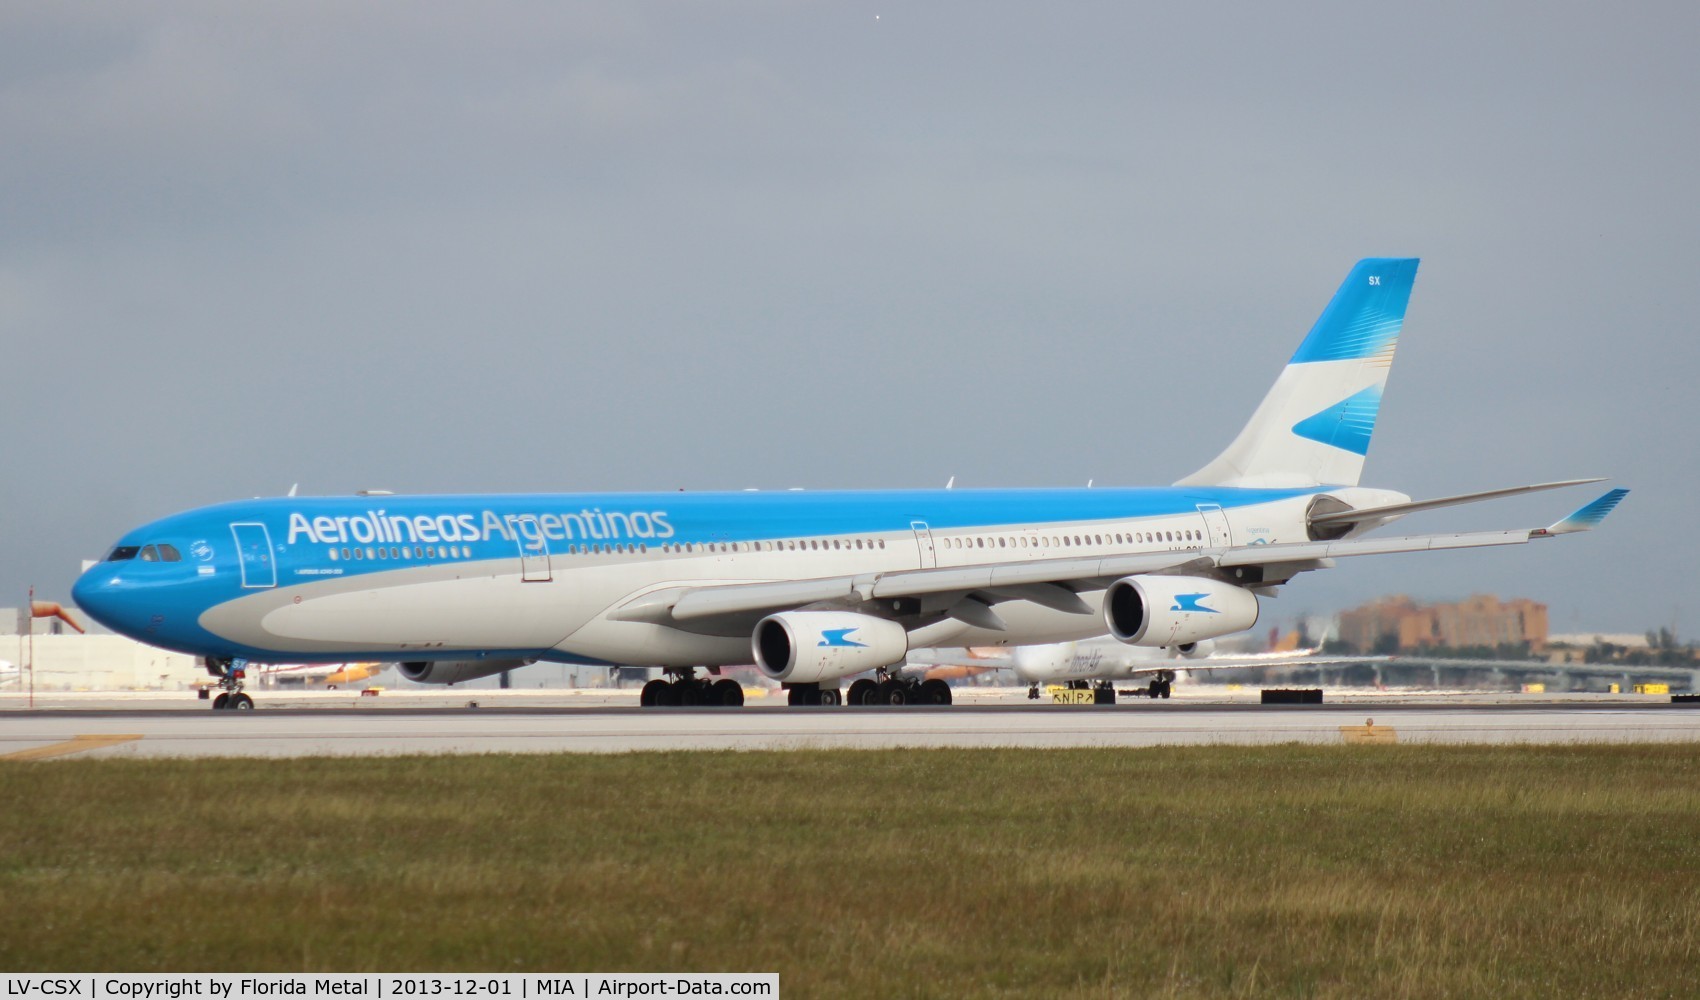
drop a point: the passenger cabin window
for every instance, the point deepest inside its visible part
(123, 552)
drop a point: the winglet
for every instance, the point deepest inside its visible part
(1587, 517)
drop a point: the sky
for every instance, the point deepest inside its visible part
(625, 245)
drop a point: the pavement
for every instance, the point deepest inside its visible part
(315, 723)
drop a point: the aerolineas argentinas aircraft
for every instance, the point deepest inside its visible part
(813, 586)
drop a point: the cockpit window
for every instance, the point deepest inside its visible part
(169, 553)
(122, 553)
(150, 554)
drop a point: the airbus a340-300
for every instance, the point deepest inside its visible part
(812, 586)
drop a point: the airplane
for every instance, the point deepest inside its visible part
(816, 586)
(1096, 664)
(331, 675)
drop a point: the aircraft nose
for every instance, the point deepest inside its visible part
(95, 592)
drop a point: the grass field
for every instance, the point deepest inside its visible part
(1303, 871)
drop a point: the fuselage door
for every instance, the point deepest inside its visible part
(533, 550)
(254, 550)
(924, 541)
(1216, 523)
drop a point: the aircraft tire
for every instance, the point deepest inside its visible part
(222, 701)
(667, 695)
(1156, 689)
(892, 693)
(730, 692)
(650, 696)
(830, 698)
(935, 692)
(1167, 687)
(1103, 696)
(241, 702)
(861, 692)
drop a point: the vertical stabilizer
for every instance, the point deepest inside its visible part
(1314, 426)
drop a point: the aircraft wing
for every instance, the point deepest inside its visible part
(1053, 583)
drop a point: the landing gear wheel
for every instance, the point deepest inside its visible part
(241, 702)
(803, 694)
(222, 701)
(830, 698)
(730, 693)
(1155, 690)
(667, 695)
(935, 692)
(1167, 687)
(861, 692)
(891, 693)
(1104, 696)
(1033, 692)
(650, 696)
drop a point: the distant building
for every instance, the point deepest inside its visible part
(1400, 623)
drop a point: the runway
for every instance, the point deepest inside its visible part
(283, 732)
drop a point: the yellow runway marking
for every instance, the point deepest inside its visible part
(76, 744)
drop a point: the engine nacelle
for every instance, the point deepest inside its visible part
(1197, 650)
(803, 647)
(1176, 610)
(455, 671)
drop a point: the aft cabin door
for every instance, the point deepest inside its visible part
(254, 553)
(533, 551)
(924, 541)
(1216, 524)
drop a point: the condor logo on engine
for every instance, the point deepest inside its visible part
(840, 637)
(1189, 602)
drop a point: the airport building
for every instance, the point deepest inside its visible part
(1400, 624)
(64, 660)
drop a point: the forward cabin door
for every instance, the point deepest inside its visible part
(1216, 525)
(534, 564)
(924, 542)
(254, 554)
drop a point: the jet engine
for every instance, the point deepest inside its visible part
(1197, 650)
(1176, 610)
(803, 647)
(455, 671)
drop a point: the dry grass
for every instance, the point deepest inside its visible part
(1391, 871)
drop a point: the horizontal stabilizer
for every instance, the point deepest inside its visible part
(1399, 509)
(1589, 516)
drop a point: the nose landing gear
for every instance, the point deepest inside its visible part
(231, 675)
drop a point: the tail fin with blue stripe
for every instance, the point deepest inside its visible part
(1314, 426)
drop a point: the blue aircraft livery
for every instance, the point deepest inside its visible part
(457, 587)
(839, 637)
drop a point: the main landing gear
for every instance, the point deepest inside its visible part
(812, 694)
(1162, 684)
(231, 676)
(884, 689)
(687, 689)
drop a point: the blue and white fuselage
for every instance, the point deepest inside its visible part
(537, 576)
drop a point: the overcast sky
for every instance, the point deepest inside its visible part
(622, 245)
